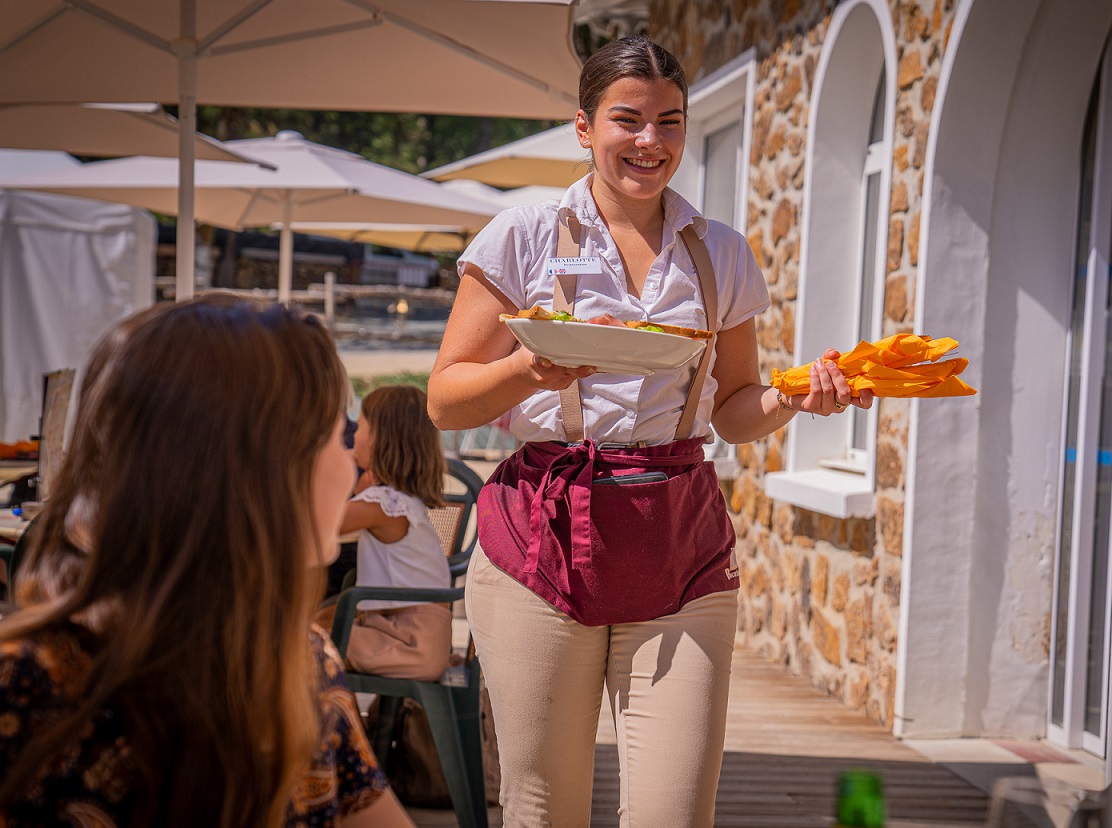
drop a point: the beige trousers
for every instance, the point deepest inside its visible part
(668, 681)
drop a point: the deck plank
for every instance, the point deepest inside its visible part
(786, 743)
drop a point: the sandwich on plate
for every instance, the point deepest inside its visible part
(539, 313)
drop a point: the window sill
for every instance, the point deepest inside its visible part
(835, 493)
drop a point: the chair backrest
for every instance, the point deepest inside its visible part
(446, 521)
(461, 491)
(57, 395)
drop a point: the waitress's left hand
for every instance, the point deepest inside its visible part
(830, 393)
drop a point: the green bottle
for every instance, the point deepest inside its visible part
(860, 801)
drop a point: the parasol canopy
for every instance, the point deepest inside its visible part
(432, 238)
(102, 129)
(306, 181)
(552, 158)
(903, 365)
(510, 58)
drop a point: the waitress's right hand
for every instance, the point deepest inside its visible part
(544, 373)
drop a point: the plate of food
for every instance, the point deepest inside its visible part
(640, 348)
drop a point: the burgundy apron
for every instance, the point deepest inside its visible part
(612, 554)
(608, 554)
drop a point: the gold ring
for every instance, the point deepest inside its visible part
(839, 405)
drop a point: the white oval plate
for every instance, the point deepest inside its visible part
(608, 348)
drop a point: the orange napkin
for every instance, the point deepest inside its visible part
(904, 365)
(20, 449)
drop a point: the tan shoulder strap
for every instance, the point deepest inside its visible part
(697, 249)
(563, 299)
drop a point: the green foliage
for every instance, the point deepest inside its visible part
(405, 141)
(365, 385)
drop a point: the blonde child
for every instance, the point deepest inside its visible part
(399, 448)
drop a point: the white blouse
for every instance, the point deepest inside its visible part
(417, 560)
(512, 250)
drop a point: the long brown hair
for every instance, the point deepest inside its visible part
(405, 450)
(180, 535)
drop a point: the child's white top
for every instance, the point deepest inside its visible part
(417, 560)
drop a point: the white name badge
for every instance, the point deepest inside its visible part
(561, 265)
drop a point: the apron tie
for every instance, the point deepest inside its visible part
(567, 479)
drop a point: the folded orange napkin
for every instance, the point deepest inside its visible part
(891, 368)
(19, 449)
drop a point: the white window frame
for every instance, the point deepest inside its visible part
(1071, 732)
(719, 99)
(860, 44)
(724, 120)
(714, 101)
(857, 459)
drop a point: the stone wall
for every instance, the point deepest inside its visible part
(820, 595)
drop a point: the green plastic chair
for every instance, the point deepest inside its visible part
(462, 477)
(452, 704)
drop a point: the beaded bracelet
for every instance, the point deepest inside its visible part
(781, 403)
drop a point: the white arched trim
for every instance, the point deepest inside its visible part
(995, 264)
(859, 45)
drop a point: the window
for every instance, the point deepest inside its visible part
(720, 171)
(714, 173)
(872, 281)
(1078, 710)
(830, 462)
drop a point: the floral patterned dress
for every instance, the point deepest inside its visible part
(93, 783)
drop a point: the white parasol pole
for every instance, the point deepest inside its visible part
(285, 250)
(186, 48)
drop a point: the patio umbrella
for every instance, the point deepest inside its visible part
(469, 57)
(903, 365)
(431, 238)
(309, 182)
(552, 158)
(102, 130)
(420, 238)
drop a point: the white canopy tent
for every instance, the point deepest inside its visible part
(69, 269)
(448, 56)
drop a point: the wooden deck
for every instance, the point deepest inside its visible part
(786, 743)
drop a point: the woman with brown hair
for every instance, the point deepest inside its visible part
(607, 553)
(160, 668)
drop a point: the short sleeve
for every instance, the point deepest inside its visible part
(742, 289)
(501, 250)
(393, 502)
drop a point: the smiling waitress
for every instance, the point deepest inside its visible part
(583, 585)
